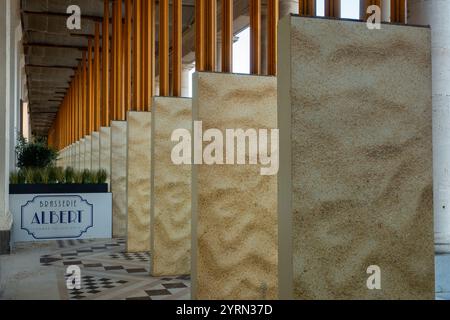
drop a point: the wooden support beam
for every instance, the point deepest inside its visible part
(127, 49)
(200, 30)
(164, 86)
(105, 65)
(120, 110)
(364, 4)
(306, 7)
(90, 89)
(227, 35)
(255, 36)
(333, 8)
(97, 78)
(398, 11)
(137, 56)
(177, 30)
(85, 96)
(211, 35)
(272, 24)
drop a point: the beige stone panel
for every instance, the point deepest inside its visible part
(356, 160)
(138, 181)
(95, 152)
(234, 208)
(105, 151)
(118, 177)
(82, 151)
(171, 190)
(88, 152)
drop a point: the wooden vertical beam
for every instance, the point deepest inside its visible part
(164, 48)
(211, 35)
(112, 105)
(97, 90)
(306, 7)
(255, 36)
(127, 58)
(119, 63)
(272, 24)
(145, 56)
(177, 30)
(200, 34)
(90, 89)
(333, 8)
(227, 35)
(85, 96)
(150, 54)
(80, 103)
(364, 4)
(398, 11)
(137, 55)
(105, 65)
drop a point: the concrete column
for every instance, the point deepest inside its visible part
(435, 13)
(5, 32)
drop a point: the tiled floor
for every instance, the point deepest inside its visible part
(38, 271)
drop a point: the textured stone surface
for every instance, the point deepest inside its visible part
(105, 151)
(138, 181)
(358, 169)
(81, 156)
(171, 192)
(118, 177)
(88, 152)
(234, 208)
(95, 151)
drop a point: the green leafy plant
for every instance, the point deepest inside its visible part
(29, 175)
(34, 154)
(87, 176)
(101, 176)
(14, 177)
(52, 175)
(69, 175)
(60, 175)
(78, 177)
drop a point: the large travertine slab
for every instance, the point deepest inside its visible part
(356, 160)
(105, 152)
(82, 152)
(234, 208)
(138, 181)
(88, 152)
(95, 151)
(171, 190)
(118, 177)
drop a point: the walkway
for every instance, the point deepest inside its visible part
(37, 271)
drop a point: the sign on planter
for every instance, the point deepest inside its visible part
(61, 216)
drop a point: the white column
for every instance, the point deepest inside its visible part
(5, 40)
(436, 14)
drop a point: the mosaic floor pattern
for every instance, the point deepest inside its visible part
(107, 272)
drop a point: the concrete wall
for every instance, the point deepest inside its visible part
(355, 183)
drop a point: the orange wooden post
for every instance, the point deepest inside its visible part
(227, 35)
(105, 65)
(200, 30)
(164, 48)
(255, 36)
(306, 7)
(177, 29)
(137, 56)
(272, 23)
